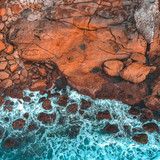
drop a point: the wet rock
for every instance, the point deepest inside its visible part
(63, 100)
(6, 119)
(72, 108)
(73, 131)
(151, 127)
(8, 108)
(16, 93)
(136, 72)
(1, 134)
(26, 99)
(46, 118)
(4, 75)
(152, 102)
(42, 99)
(61, 83)
(110, 129)
(134, 111)
(113, 67)
(148, 114)
(1, 101)
(47, 104)
(6, 83)
(18, 124)
(26, 115)
(32, 127)
(141, 138)
(3, 65)
(103, 115)
(85, 104)
(10, 143)
(38, 85)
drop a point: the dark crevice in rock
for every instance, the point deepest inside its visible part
(149, 76)
(146, 54)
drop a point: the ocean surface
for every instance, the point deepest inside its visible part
(58, 141)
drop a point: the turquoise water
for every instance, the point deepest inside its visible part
(57, 141)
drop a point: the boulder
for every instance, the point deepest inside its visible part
(38, 85)
(113, 67)
(46, 118)
(2, 46)
(63, 100)
(103, 115)
(4, 75)
(152, 102)
(110, 129)
(16, 93)
(47, 104)
(138, 57)
(18, 124)
(85, 104)
(6, 83)
(140, 138)
(10, 143)
(148, 114)
(151, 127)
(136, 72)
(72, 108)
(3, 65)
(134, 111)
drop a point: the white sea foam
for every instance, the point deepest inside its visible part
(52, 142)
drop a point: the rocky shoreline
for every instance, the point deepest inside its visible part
(92, 46)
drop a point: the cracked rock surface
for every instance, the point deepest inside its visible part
(95, 44)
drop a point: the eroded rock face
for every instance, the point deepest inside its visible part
(75, 56)
(78, 37)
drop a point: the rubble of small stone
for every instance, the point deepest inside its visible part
(92, 45)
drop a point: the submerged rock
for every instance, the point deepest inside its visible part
(18, 124)
(141, 138)
(47, 104)
(134, 111)
(46, 118)
(151, 127)
(63, 99)
(72, 108)
(85, 104)
(103, 115)
(110, 129)
(10, 143)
